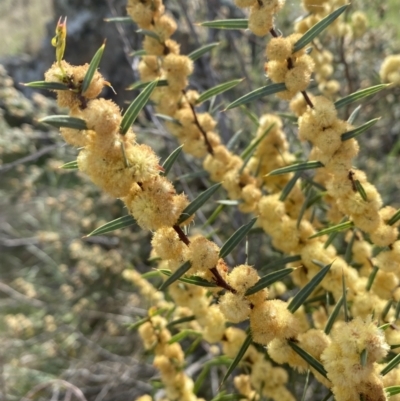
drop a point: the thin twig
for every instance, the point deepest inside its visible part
(42, 386)
(201, 129)
(221, 282)
(20, 297)
(307, 99)
(15, 242)
(182, 236)
(29, 158)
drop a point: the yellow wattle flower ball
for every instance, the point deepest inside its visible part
(272, 320)
(234, 307)
(203, 254)
(390, 69)
(359, 23)
(279, 49)
(154, 203)
(242, 277)
(261, 21)
(167, 245)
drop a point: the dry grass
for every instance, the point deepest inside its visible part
(22, 25)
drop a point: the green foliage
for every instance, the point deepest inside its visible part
(94, 64)
(299, 299)
(111, 226)
(135, 107)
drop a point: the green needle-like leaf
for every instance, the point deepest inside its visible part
(257, 94)
(170, 160)
(135, 107)
(303, 397)
(152, 274)
(218, 361)
(147, 32)
(290, 117)
(320, 26)
(47, 85)
(197, 203)
(181, 320)
(119, 19)
(228, 202)
(269, 279)
(371, 278)
(361, 94)
(305, 205)
(94, 64)
(349, 249)
(138, 53)
(59, 121)
(236, 237)
(168, 118)
(289, 186)
(306, 291)
(280, 262)
(329, 395)
(253, 145)
(393, 390)
(176, 275)
(140, 85)
(333, 316)
(234, 139)
(360, 190)
(252, 116)
(364, 357)
(386, 309)
(194, 55)
(193, 174)
(354, 114)
(182, 335)
(397, 311)
(359, 130)
(236, 23)
(136, 325)
(296, 167)
(308, 358)
(333, 235)
(338, 227)
(238, 357)
(195, 280)
(121, 222)
(70, 165)
(246, 161)
(214, 215)
(391, 365)
(394, 219)
(216, 90)
(385, 326)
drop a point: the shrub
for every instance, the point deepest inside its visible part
(326, 305)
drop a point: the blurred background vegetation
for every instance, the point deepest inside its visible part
(65, 309)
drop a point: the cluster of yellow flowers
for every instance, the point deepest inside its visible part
(351, 360)
(262, 13)
(194, 130)
(355, 28)
(169, 359)
(390, 69)
(20, 325)
(292, 68)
